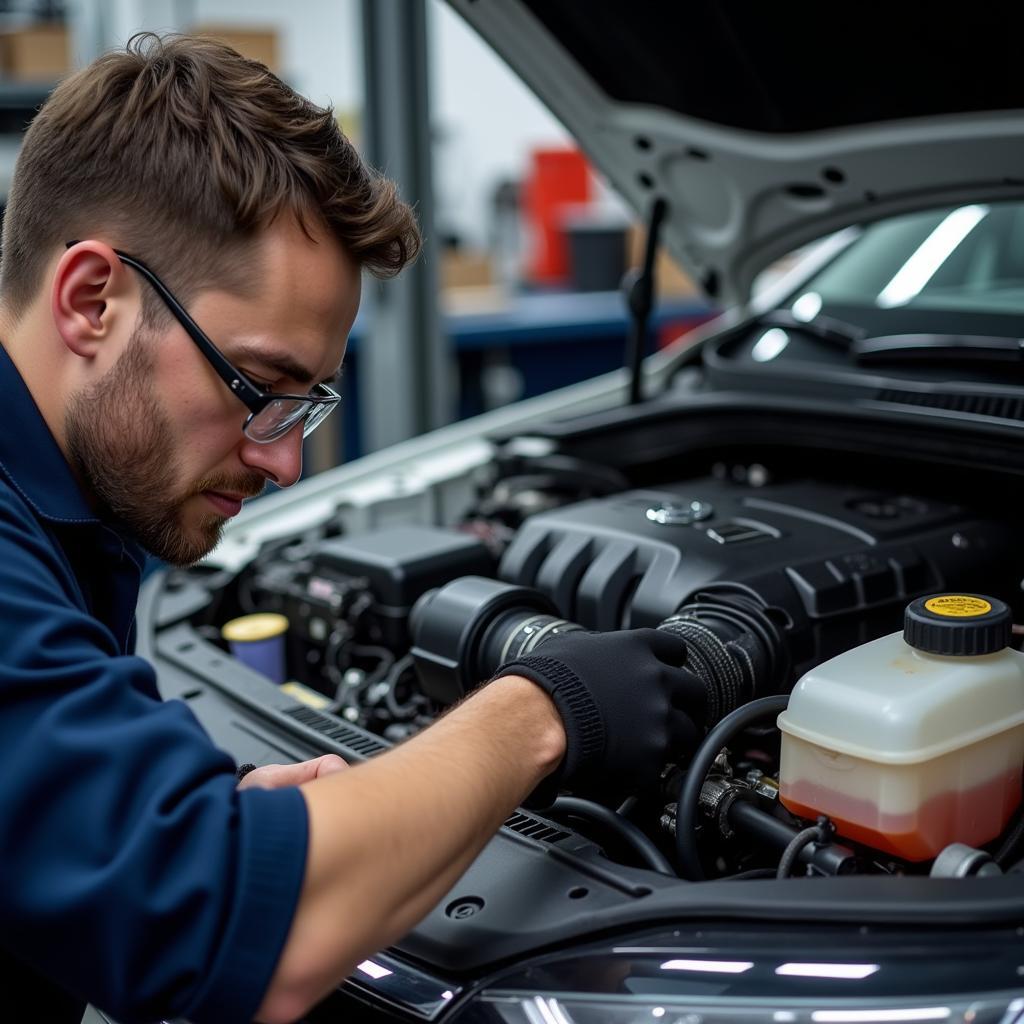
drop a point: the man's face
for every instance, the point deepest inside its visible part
(158, 440)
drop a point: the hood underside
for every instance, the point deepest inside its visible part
(765, 129)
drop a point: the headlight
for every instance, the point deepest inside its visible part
(778, 977)
(547, 1009)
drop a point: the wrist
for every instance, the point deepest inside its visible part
(546, 729)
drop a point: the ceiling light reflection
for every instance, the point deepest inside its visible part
(369, 968)
(807, 307)
(930, 255)
(853, 972)
(910, 1015)
(769, 345)
(708, 966)
(539, 1010)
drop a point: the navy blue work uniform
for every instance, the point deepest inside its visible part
(133, 874)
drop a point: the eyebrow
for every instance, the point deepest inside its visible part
(284, 364)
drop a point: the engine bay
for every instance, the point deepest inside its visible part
(765, 575)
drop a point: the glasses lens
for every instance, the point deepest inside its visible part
(273, 421)
(317, 415)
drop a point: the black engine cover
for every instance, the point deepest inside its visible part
(838, 562)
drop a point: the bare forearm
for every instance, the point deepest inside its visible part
(391, 836)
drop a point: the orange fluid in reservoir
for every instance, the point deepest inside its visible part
(972, 816)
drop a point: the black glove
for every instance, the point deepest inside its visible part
(627, 704)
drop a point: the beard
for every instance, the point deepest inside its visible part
(122, 446)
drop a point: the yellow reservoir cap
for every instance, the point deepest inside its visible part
(958, 625)
(251, 628)
(958, 606)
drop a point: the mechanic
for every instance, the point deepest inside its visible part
(167, 186)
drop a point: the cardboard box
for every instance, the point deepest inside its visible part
(35, 53)
(253, 42)
(465, 268)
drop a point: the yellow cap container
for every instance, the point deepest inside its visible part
(258, 641)
(907, 750)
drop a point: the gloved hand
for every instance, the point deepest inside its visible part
(627, 704)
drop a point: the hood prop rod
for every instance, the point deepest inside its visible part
(639, 288)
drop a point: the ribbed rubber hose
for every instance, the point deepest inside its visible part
(714, 662)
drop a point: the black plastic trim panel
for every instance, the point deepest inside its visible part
(184, 648)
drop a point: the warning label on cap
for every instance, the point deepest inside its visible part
(958, 606)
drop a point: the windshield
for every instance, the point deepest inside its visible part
(954, 269)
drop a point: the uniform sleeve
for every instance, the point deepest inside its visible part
(134, 873)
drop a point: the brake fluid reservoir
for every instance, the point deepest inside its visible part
(916, 740)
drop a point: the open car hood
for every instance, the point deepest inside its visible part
(765, 129)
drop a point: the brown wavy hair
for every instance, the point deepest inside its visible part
(179, 150)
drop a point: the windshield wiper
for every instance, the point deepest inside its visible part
(825, 328)
(933, 348)
(900, 348)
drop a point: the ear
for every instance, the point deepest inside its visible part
(93, 297)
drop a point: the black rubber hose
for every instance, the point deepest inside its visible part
(625, 830)
(728, 680)
(768, 832)
(1010, 843)
(400, 712)
(803, 838)
(627, 806)
(687, 858)
(750, 611)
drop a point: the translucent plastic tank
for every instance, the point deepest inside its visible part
(908, 750)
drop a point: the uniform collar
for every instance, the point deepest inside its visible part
(30, 457)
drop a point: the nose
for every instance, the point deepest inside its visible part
(279, 461)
